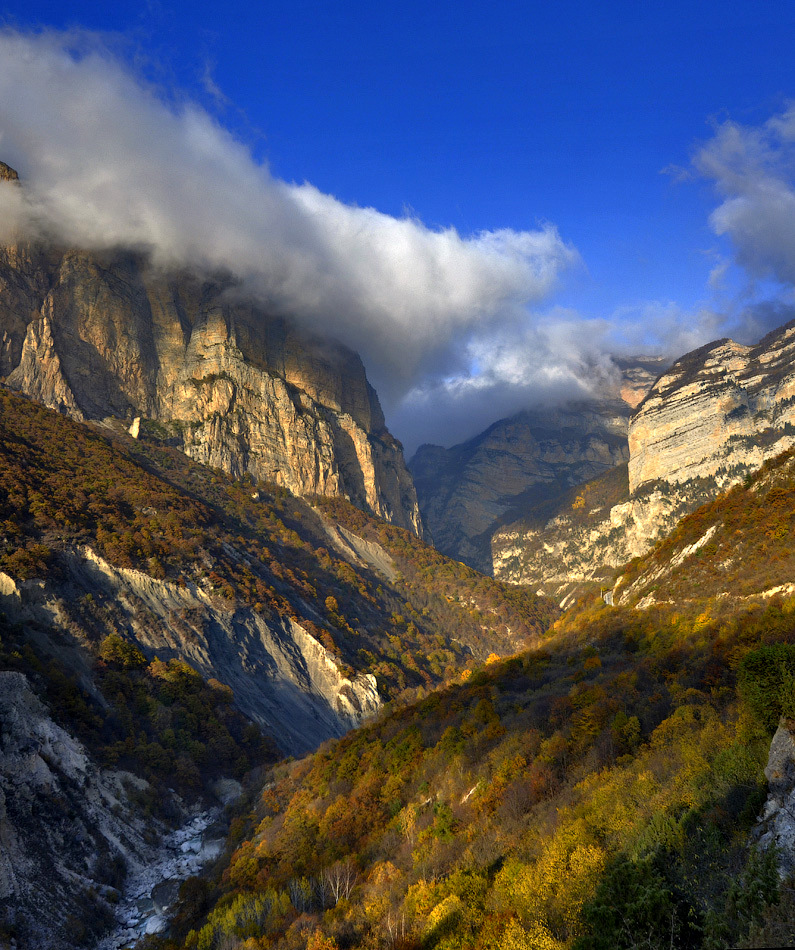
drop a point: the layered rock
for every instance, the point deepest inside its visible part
(710, 420)
(96, 335)
(719, 412)
(467, 492)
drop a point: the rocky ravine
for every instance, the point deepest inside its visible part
(66, 827)
(95, 335)
(715, 416)
(74, 843)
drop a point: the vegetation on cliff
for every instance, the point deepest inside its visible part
(586, 794)
(597, 790)
(739, 545)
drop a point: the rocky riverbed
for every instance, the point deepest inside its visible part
(150, 892)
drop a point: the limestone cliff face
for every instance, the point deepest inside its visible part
(716, 415)
(468, 491)
(96, 335)
(719, 412)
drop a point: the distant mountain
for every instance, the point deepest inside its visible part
(470, 490)
(466, 492)
(103, 334)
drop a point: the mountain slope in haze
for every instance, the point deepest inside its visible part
(467, 491)
(103, 334)
(605, 784)
(470, 490)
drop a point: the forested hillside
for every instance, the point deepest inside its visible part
(185, 628)
(141, 504)
(598, 791)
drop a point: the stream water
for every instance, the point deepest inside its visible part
(149, 893)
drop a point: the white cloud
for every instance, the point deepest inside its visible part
(109, 160)
(753, 168)
(455, 330)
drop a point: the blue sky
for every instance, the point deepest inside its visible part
(485, 117)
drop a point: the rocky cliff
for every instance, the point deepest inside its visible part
(585, 534)
(95, 335)
(719, 412)
(776, 826)
(468, 491)
(709, 421)
(281, 676)
(68, 830)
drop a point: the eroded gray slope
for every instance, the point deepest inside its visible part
(281, 676)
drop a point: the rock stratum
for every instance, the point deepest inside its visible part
(94, 335)
(719, 412)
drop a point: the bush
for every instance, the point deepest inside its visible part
(766, 680)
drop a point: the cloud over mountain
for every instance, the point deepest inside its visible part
(108, 159)
(753, 168)
(455, 330)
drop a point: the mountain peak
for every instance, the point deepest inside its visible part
(7, 173)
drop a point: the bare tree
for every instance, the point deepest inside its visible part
(301, 894)
(395, 927)
(339, 880)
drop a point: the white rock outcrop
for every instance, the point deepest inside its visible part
(281, 676)
(719, 412)
(777, 823)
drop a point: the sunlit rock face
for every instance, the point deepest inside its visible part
(719, 412)
(95, 335)
(715, 416)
